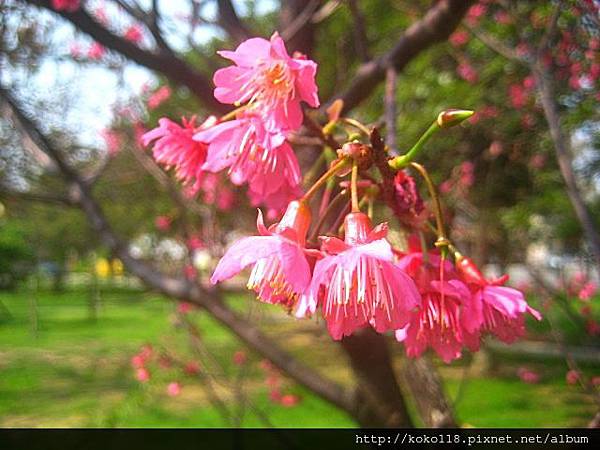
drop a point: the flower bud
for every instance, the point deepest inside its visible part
(452, 117)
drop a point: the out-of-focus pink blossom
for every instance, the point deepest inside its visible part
(458, 38)
(502, 17)
(113, 141)
(240, 358)
(595, 381)
(289, 400)
(190, 272)
(66, 5)
(192, 368)
(265, 76)
(174, 389)
(587, 291)
(529, 82)
(158, 97)
(185, 307)
(538, 161)
(134, 34)
(467, 175)
(96, 51)
(467, 72)
(446, 187)
(573, 376)
(75, 50)
(162, 223)
(528, 376)
(496, 149)
(275, 395)
(518, 96)
(142, 375)
(358, 284)
(475, 13)
(137, 361)
(195, 243)
(528, 121)
(592, 327)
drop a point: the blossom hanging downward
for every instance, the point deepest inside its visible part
(175, 148)
(440, 323)
(281, 272)
(358, 284)
(266, 76)
(496, 309)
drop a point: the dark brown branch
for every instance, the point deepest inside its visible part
(436, 26)
(296, 25)
(178, 288)
(42, 198)
(174, 68)
(361, 41)
(390, 110)
(229, 20)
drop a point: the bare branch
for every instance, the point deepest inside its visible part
(230, 21)
(179, 288)
(439, 22)
(174, 68)
(495, 45)
(360, 31)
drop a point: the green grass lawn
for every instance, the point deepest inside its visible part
(61, 367)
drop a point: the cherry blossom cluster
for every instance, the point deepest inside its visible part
(351, 274)
(267, 86)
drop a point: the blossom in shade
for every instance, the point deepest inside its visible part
(253, 155)
(497, 309)
(175, 148)
(440, 324)
(240, 358)
(162, 223)
(280, 272)
(358, 284)
(158, 97)
(572, 376)
(66, 5)
(266, 76)
(173, 389)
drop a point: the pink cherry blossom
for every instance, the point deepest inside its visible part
(113, 141)
(142, 375)
(162, 223)
(587, 291)
(281, 272)
(573, 376)
(253, 155)
(240, 358)
(265, 76)
(467, 72)
(174, 389)
(158, 97)
(175, 148)
(495, 308)
(289, 400)
(528, 376)
(440, 323)
(358, 284)
(134, 34)
(185, 307)
(96, 51)
(192, 368)
(459, 38)
(137, 361)
(66, 5)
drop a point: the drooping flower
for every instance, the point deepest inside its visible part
(281, 272)
(358, 283)
(253, 155)
(66, 5)
(497, 309)
(440, 323)
(266, 76)
(175, 148)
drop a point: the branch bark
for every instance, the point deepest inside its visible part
(174, 68)
(439, 22)
(230, 21)
(177, 288)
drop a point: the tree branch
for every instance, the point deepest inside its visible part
(439, 22)
(174, 68)
(179, 288)
(230, 21)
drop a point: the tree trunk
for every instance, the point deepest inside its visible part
(565, 162)
(379, 401)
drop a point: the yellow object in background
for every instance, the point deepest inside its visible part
(117, 267)
(102, 268)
